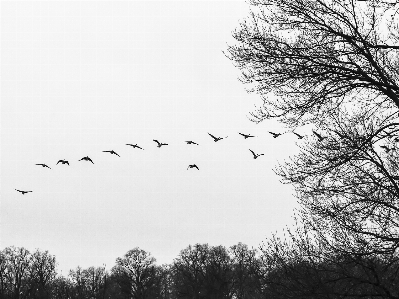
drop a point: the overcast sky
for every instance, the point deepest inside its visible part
(80, 77)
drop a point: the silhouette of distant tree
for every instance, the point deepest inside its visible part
(62, 288)
(137, 275)
(203, 271)
(302, 266)
(41, 274)
(16, 271)
(247, 274)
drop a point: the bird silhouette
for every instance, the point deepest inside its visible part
(299, 136)
(245, 135)
(63, 162)
(321, 138)
(275, 135)
(23, 192)
(255, 155)
(86, 159)
(159, 143)
(191, 142)
(216, 139)
(44, 165)
(111, 152)
(192, 166)
(134, 145)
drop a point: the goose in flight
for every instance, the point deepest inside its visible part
(134, 145)
(191, 142)
(63, 162)
(23, 192)
(255, 155)
(275, 135)
(86, 159)
(159, 143)
(44, 165)
(216, 139)
(111, 152)
(299, 136)
(192, 166)
(245, 135)
(321, 138)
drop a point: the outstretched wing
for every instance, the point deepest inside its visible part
(252, 153)
(212, 136)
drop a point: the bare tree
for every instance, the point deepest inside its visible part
(300, 265)
(16, 271)
(137, 274)
(247, 282)
(42, 273)
(308, 57)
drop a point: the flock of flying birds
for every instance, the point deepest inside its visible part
(160, 144)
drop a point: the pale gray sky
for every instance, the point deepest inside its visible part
(80, 77)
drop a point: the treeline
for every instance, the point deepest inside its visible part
(203, 271)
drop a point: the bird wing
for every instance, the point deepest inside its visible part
(212, 136)
(58, 161)
(196, 166)
(18, 190)
(253, 153)
(157, 141)
(107, 152)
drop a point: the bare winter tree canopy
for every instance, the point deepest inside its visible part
(333, 65)
(307, 57)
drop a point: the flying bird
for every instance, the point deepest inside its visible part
(191, 142)
(159, 143)
(216, 139)
(63, 162)
(111, 152)
(44, 165)
(255, 155)
(299, 136)
(86, 159)
(321, 138)
(134, 145)
(23, 192)
(245, 135)
(192, 166)
(275, 135)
